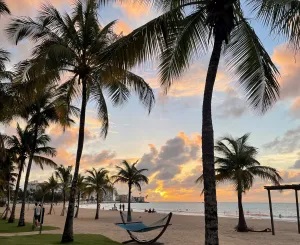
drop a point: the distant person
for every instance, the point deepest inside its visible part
(120, 206)
(37, 214)
(149, 211)
(146, 211)
(123, 206)
(153, 210)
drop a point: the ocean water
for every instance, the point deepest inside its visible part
(281, 211)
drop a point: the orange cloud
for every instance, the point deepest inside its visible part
(192, 82)
(133, 9)
(122, 28)
(289, 65)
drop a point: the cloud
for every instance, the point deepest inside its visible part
(122, 27)
(295, 108)
(133, 10)
(288, 143)
(104, 159)
(232, 106)
(28, 7)
(296, 165)
(289, 64)
(166, 162)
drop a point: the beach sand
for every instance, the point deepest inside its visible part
(186, 230)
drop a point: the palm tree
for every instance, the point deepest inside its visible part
(44, 189)
(132, 176)
(39, 150)
(40, 107)
(187, 29)
(98, 182)
(237, 164)
(20, 145)
(79, 44)
(281, 16)
(7, 175)
(3, 8)
(81, 187)
(52, 185)
(65, 177)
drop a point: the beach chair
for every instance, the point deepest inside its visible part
(140, 227)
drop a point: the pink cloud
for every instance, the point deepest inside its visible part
(133, 10)
(122, 27)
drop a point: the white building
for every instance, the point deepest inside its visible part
(33, 185)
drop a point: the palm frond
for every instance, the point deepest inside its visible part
(250, 62)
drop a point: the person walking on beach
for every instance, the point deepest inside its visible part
(120, 206)
(37, 214)
(123, 206)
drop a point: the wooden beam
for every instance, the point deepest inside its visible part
(283, 187)
(297, 207)
(271, 212)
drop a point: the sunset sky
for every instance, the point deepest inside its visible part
(168, 141)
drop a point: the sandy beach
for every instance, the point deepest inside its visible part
(187, 230)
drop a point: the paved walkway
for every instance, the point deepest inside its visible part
(58, 231)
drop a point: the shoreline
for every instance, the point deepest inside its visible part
(253, 216)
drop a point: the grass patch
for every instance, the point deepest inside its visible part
(13, 227)
(47, 239)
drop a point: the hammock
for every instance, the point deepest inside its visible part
(140, 227)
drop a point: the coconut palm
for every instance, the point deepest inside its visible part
(237, 164)
(42, 106)
(63, 174)
(132, 176)
(81, 188)
(98, 182)
(79, 44)
(20, 145)
(281, 16)
(3, 8)
(52, 185)
(7, 174)
(39, 150)
(188, 29)
(43, 189)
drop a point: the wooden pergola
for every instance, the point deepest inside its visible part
(283, 187)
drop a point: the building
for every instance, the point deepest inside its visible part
(108, 197)
(122, 198)
(139, 199)
(33, 185)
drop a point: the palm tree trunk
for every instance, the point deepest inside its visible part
(22, 212)
(64, 204)
(97, 208)
(78, 202)
(13, 210)
(210, 198)
(8, 203)
(129, 208)
(68, 229)
(52, 201)
(242, 226)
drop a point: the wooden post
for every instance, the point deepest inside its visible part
(297, 207)
(271, 212)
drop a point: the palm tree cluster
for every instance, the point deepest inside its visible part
(94, 181)
(98, 66)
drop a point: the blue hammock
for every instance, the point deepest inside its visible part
(140, 227)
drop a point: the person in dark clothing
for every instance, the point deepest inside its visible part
(123, 206)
